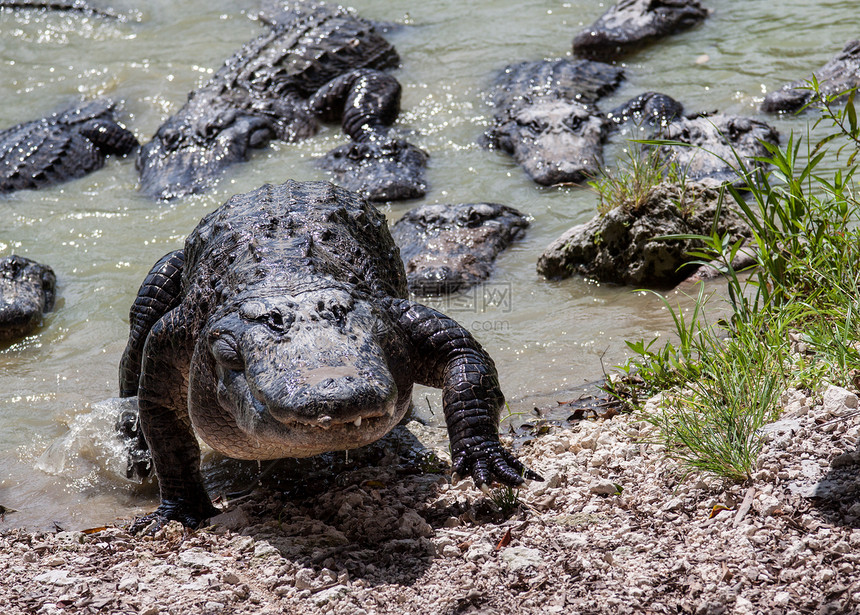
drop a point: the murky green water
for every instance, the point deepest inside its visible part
(101, 237)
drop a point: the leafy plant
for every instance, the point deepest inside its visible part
(506, 499)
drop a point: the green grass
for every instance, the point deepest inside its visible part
(631, 184)
(722, 381)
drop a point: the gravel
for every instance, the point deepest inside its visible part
(612, 530)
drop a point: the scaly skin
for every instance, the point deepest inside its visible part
(289, 335)
(61, 147)
(69, 6)
(631, 24)
(26, 293)
(316, 62)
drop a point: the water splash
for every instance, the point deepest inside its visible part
(92, 448)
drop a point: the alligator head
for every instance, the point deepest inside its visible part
(446, 248)
(300, 374)
(556, 140)
(631, 23)
(380, 169)
(194, 147)
(26, 291)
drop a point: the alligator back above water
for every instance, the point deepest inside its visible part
(26, 293)
(61, 147)
(266, 91)
(282, 330)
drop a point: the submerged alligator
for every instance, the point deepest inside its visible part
(631, 24)
(70, 6)
(447, 248)
(316, 62)
(711, 143)
(26, 293)
(282, 330)
(838, 76)
(544, 116)
(61, 147)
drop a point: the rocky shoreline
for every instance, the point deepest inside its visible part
(611, 530)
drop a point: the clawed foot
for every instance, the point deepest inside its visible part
(488, 461)
(188, 514)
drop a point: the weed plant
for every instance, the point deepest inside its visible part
(722, 381)
(631, 184)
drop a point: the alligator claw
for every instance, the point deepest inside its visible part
(489, 461)
(191, 515)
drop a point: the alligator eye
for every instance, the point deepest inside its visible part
(226, 351)
(574, 122)
(537, 126)
(210, 131)
(171, 137)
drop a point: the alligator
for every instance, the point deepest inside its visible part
(26, 293)
(449, 248)
(544, 116)
(839, 76)
(61, 147)
(315, 62)
(630, 24)
(282, 329)
(709, 144)
(68, 6)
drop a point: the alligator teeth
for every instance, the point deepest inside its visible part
(324, 422)
(357, 422)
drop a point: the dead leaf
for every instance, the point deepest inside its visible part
(505, 541)
(717, 509)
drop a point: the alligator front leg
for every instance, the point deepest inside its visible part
(164, 419)
(158, 294)
(109, 137)
(448, 357)
(366, 101)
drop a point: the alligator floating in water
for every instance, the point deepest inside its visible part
(631, 24)
(62, 146)
(712, 142)
(282, 330)
(316, 61)
(448, 248)
(69, 6)
(26, 293)
(838, 76)
(544, 116)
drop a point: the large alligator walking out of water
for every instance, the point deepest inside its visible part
(316, 62)
(61, 147)
(282, 329)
